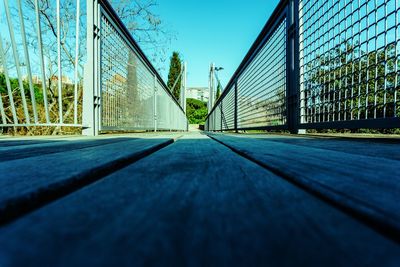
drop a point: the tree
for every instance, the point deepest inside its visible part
(146, 27)
(139, 17)
(218, 95)
(196, 111)
(174, 76)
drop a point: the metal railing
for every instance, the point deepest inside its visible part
(73, 63)
(322, 64)
(133, 95)
(40, 63)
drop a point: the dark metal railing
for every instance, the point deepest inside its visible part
(74, 64)
(317, 65)
(128, 92)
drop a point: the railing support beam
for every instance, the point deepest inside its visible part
(91, 95)
(293, 67)
(155, 103)
(236, 107)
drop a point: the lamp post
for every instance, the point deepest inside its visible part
(213, 74)
(218, 82)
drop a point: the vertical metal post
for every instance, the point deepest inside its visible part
(76, 61)
(8, 83)
(170, 114)
(213, 85)
(92, 92)
(222, 116)
(184, 85)
(302, 103)
(292, 66)
(155, 103)
(2, 59)
(16, 60)
(59, 63)
(236, 107)
(211, 98)
(215, 120)
(3, 114)
(209, 92)
(97, 67)
(42, 64)
(27, 61)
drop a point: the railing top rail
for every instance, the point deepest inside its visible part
(113, 14)
(268, 28)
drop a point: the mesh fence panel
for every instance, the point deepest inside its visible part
(131, 94)
(262, 86)
(349, 57)
(228, 110)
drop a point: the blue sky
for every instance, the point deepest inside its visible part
(219, 31)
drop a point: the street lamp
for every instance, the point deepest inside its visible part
(216, 76)
(219, 86)
(213, 75)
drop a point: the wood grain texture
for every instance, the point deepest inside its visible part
(373, 147)
(20, 151)
(30, 182)
(369, 186)
(193, 203)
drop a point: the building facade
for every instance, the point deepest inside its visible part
(199, 93)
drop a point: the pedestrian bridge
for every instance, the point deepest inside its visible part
(231, 195)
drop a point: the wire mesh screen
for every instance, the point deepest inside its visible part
(127, 85)
(132, 96)
(169, 114)
(259, 98)
(228, 110)
(210, 122)
(218, 118)
(349, 60)
(262, 86)
(339, 70)
(162, 108)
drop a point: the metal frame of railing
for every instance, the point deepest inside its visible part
(308, 99)
(22, 106)
(112, 101)
(166, 113)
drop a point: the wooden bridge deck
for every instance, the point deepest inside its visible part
(198, 200)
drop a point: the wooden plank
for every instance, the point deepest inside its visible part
(8, 141)
(31, 182)
(367, 186)
(379, 147)
(192, 203)
(52, 146)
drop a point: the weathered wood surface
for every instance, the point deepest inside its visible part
(365, 183)
(30, 181)
(374, 147)
(20, 150)
(194, 203)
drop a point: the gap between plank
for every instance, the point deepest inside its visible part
(21, 206)
(380, 224)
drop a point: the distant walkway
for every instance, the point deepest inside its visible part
(194, 128)
(172, 199)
